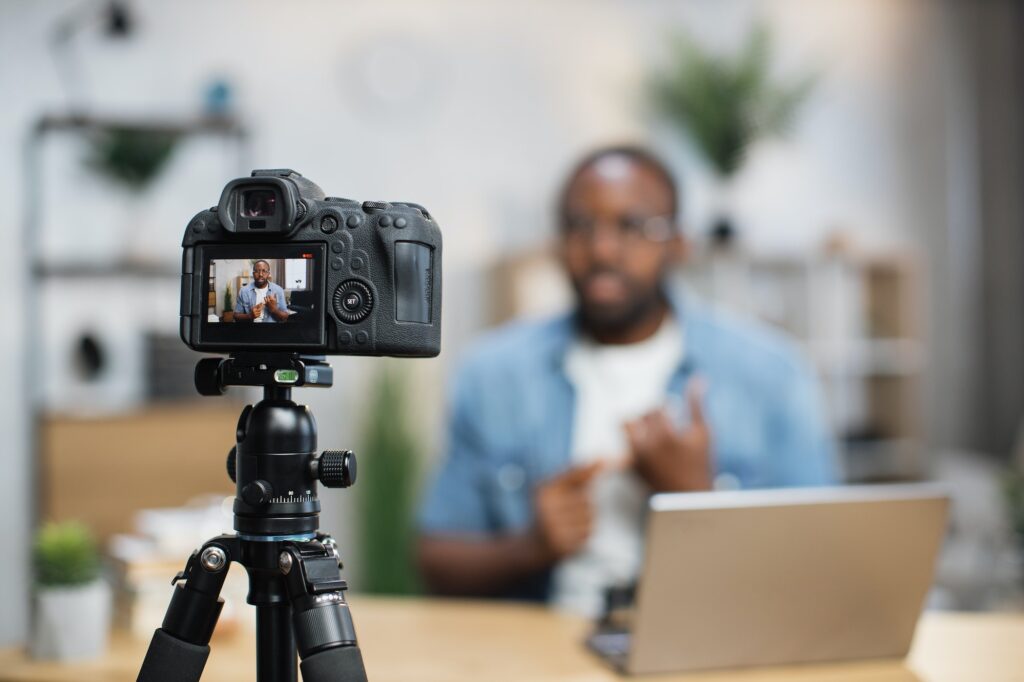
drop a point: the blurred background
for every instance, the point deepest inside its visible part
(878, 220)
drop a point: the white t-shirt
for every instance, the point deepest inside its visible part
(261, 297)
(614, 384)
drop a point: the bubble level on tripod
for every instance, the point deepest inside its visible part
(286, 376)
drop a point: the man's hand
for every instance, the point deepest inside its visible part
(565, 514)
(272, 303)
(670, 459)
(257, 311)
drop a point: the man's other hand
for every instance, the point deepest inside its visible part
(257, 311)
(671, 459)
(565, 514)
(272, 303)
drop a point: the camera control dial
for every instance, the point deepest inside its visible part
(353, 301)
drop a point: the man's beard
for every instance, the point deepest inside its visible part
(604, 319)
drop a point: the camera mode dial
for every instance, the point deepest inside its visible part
(353, 301)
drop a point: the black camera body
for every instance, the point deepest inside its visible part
(277, 266)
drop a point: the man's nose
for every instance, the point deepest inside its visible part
(606, 244)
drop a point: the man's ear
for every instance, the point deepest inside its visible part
(678, 248)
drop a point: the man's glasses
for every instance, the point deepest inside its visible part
(628, 229)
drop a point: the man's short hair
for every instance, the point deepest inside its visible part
(261, 260)
(635, 153)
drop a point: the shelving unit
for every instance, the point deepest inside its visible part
(133, 285)
(141, 362)
(855, 314)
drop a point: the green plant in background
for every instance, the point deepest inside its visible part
(725, 103)
(387, 488)
(1013, 487)
(131, 156)
(65, 554)
(229, 304)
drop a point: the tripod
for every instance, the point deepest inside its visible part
(294, 577)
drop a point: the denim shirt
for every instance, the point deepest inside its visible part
(511, 417)
(247, 299)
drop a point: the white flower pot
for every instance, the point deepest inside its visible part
(72, 622)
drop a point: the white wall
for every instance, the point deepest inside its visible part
(475, 110)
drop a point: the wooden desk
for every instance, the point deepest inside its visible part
(449, 641)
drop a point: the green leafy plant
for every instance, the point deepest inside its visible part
(386, 490)
(65, 554)
(725, 103)
(1013, 487)
(229, 304)
(131, 156)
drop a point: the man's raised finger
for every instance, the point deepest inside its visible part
(695, 391)
(581, 475)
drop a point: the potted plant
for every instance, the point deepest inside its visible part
(723, 104)
(228, 314)
(387, 487)
(131, 158)
(72, 615)
(1013, 487)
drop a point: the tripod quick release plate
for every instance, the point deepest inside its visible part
(284, 370)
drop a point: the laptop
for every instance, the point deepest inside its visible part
(766, 577)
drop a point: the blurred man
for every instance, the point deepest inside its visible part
(261, 300)
(560, 430)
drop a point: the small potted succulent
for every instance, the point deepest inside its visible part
(72, 614)
(228, 314)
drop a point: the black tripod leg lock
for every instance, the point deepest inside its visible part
(179, 649)
(324, 633)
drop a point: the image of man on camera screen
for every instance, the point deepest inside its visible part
(261, 300)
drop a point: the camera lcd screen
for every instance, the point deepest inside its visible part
(264, 295)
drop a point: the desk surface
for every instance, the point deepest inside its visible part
(451, 641)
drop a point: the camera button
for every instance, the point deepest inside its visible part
(400, 222)
(357, 263)
(352, 301)
(353, 221)
(345, 338)
(328, 224)
(338, 247)
(385, 221)
(362, 337)
(337, 263)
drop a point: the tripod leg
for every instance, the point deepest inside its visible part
(324, 633)
(179, 649)
(275, 651)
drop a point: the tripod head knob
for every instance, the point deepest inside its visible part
(257, 493)
(207, 377)
(336, 468)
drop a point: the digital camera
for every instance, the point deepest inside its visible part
(277, 266)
